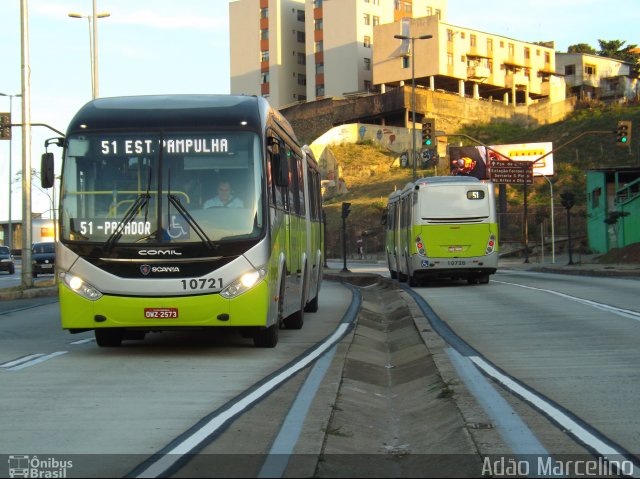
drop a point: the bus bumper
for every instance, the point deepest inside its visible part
(424, 267)
(249, 309)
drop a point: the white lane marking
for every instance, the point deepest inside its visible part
(21, 360)
(519, 437)
(160, 466)
(566, 422)
(278, 457)
(38, 360)
(627, 313)
(83, 341)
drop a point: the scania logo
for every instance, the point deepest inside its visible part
(159, 252)
(146, 269)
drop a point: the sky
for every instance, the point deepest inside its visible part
(169, 46)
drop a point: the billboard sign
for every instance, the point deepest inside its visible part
(468, 161)
(526, 152)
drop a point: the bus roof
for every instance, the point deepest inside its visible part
(447, 179)
(176, 112)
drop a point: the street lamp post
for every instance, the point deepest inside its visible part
(553, 233)
(93, 44)
(9, 240)
(413, 95)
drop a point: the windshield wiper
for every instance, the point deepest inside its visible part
(141, 201)
(131, 213)
(175, 201)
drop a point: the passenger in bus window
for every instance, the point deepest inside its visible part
(224, 198)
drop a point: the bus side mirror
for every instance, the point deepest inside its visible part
(47, 176)
(280, 164)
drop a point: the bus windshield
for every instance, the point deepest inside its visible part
(162, 187)
(454, 202)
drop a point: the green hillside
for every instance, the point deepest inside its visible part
(370, 178)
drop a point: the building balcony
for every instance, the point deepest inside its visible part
(478, 72)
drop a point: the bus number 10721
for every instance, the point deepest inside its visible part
(201, 283)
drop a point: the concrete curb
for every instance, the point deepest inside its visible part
(30, 293)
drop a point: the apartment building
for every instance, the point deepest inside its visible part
(295, 50)
(468, 62)
(340, 40)
(268, 55)
(595, 77)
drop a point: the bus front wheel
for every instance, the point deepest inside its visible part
(109, 337)
(267, 338)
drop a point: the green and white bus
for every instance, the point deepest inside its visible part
(186, 211)
(442, 227)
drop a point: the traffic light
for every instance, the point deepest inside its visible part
(5, 126)
(346, 209)
(623, 133)
(568, 199)
(428, 129)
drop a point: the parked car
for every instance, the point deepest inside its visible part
(7, 263)
(43, 258)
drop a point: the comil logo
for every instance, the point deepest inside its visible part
(33, 466)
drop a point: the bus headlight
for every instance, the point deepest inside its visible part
(78, 285)
(244, 283)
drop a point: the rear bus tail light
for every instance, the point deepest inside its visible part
(491, 244)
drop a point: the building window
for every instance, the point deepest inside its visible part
(318, 24)
(367, 64)
(367, 19)
(537, 52)
(405, 62)
(264, 13)
(527, 53)
(264, 77)
(595, 198)
(319, 68)
(367, 85)
(407, 7)
(547, 58)
(473, 41)
(301, 15)
(317, 3)
(463, 59)
(462, 35)
(318, 46)
(569, 70)
(302, 79)
(264, 34)
(429, 11)
(589, 69)
(302, 59)
(264, 56)
(320, 90)
(439, 14)
(511, 49)
(367, 41)
(450, 59)
(489, 45)
(396, 4)
(501, 44)
(376, 20)
(449, 35)
(490, 65)
(300, 37)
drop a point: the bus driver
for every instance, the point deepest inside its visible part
(224, 198)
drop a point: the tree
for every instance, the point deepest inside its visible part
(581, 48)
(614, 49)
